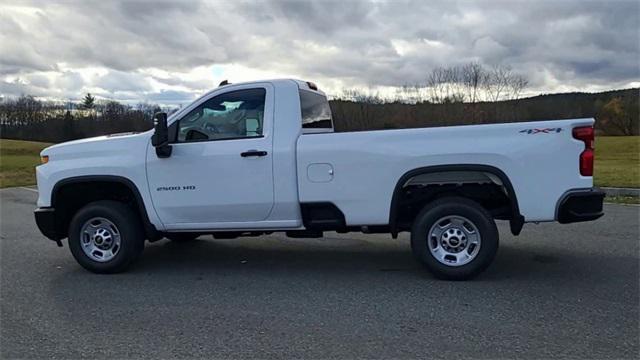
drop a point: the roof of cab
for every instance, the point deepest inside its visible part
(303, 85)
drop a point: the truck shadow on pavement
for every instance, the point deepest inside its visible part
(278, 256)
(275, 255)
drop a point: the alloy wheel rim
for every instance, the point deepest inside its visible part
(454, 240)
(100, 239)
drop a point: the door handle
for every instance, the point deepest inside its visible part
(253, 153)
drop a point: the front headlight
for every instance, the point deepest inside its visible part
(44, 159)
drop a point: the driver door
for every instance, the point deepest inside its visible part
(220, 172)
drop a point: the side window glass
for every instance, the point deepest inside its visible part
(316, 113)
(232, 115)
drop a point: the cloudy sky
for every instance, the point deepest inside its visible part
(170, 52)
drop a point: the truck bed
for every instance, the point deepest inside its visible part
(362, 168)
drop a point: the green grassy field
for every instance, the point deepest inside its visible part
(617, 161)
(17, 162)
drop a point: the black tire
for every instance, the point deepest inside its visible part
(182, 237)
(128, 225)
(455, 206)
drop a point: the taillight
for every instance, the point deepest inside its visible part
(587, 135)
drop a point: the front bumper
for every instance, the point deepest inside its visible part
(580, 205)
(46, 221)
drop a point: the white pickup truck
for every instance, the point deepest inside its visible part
(254, 158)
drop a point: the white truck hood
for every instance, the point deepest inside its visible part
(87, 147)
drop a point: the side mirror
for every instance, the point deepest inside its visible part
(160, 138)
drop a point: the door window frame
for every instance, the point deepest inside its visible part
(267, 119)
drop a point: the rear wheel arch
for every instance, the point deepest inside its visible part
(95, 188)
(516, 219)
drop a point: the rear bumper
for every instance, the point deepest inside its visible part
(46, 221)
(580, 205)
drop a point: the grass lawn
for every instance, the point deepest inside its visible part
(628, 200)
(17, 162)
(617, 161)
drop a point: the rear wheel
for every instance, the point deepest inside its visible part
(106, 237)
(455, 238)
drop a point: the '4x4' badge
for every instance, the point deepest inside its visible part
(541, 131)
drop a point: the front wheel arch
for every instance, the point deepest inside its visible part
(71, 194)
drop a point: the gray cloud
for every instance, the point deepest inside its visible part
(195, 85)
(116, 81)
(170, 97)
(570, 43)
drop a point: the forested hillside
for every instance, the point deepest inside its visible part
(616, 112)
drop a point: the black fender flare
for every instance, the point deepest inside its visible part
(516, 222)
(150, 230)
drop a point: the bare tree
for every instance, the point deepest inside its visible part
(497, 81)
(516, 84)
(362, 119)
(436, 83)
(455, 88)
(366, 96)
(473, 77)
(621, 115)
(446, 85)
(147, 110)
(411, 94)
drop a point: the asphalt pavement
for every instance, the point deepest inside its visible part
(556, 291)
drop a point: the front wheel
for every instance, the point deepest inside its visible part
(106, 237)
(455, 238)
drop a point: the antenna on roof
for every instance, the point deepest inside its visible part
(223, 83)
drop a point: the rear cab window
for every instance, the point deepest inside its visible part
(316, 113)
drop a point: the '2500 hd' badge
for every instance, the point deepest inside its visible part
(176, 188)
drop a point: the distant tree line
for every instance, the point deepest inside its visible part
(26, 118)
(616, 112)
(473, 94)
(459, 95)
